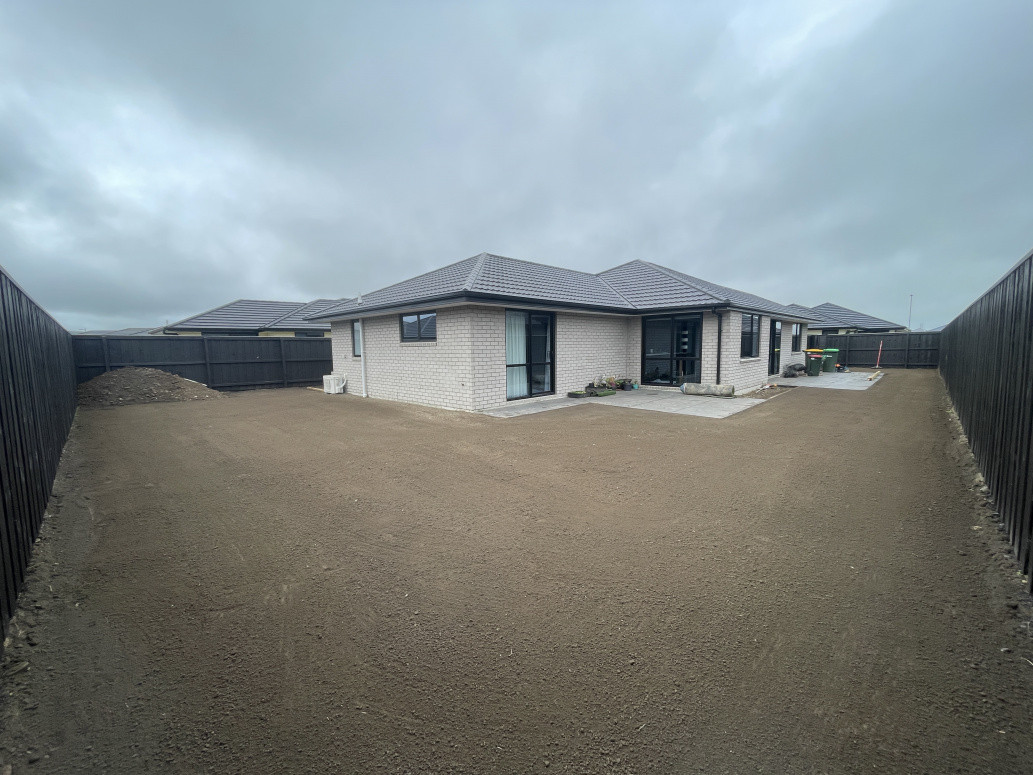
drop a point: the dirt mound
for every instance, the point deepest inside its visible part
(133, 385)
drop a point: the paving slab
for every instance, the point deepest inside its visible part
(836, 380)
(669, 401)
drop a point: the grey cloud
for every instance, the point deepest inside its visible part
(328, 148)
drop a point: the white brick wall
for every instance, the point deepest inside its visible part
(590, 346)
(466, 367)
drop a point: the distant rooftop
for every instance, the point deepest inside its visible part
(253, 314)
(829, 315)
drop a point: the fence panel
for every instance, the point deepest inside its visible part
(220, 362)
(37, 406)
(986, 363)
(908, 350)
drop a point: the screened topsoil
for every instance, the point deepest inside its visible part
(286, 581)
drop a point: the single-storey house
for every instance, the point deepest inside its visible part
(829, 318)
(252, 317)
(489, 329)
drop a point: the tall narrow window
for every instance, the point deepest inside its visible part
(529, 341)
(750, 336)
(797, 329)
(356, 338)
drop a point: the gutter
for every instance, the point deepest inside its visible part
(720, 322)
(362, 351)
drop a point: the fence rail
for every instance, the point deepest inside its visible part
(909, 350)
(37, 406)
(220, 362)
(987, 365)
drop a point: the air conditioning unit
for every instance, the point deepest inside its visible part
(334, 383)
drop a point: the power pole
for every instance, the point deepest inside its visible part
(910, 304)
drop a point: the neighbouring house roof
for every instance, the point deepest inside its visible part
(829, 315)
(636, 286)
(296, 319)
(247, 314)
(118, 332)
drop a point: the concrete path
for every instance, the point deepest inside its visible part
(670, 401)
(846, 380)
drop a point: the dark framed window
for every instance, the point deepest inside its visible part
(797, 330)
(357, 338)
(750, 336)
(671, 346)
(530, 341)
(419, 327)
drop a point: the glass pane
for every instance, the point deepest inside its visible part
(657, 371)
(685, 336)
(541, 343)
(686, 370)
(410, 328)
(656, 337)
(429, 325)
(356, 338)
(541, 380)
(516, 381)
(516, 338)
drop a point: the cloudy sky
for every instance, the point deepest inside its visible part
(161, 158)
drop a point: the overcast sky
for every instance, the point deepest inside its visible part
(161, 158)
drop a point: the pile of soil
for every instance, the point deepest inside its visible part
(134, 385)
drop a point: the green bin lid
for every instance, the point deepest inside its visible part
(831, 350)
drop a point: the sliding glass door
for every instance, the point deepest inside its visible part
(671, 349)
(529, 345)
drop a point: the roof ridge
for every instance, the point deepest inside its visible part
(299, 308)
(606, 282)
(539, 263)
(476, 271)
(680, 277)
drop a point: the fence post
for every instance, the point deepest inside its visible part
(846, 358)
(107, 357)
(207, 361)
(907, 351)
(283, 361)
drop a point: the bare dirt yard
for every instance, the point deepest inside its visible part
(284, 581)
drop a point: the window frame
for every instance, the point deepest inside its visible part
(672, 356)
(529, 363)
(752, 335)
(356, 342)
(797, 335)
(419, 326)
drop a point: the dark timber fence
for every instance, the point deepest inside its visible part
(986, 362)
(220, 362)
(37, 406)
(909, 350)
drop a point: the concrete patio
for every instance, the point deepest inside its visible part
(835, 380)
(669, 401)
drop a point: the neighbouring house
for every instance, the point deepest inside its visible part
(490, 329)
(250, 317)
(830, 318)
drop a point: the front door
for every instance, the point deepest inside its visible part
(775, 347)
(671, 349)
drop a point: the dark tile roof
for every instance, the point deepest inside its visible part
(853, 318)
(829, 315)
(634, 286)
(813, 316)
(243, 314)
(296, 319)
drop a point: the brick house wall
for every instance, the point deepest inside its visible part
(465, 368)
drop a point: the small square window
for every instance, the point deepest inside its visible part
(419, 327)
